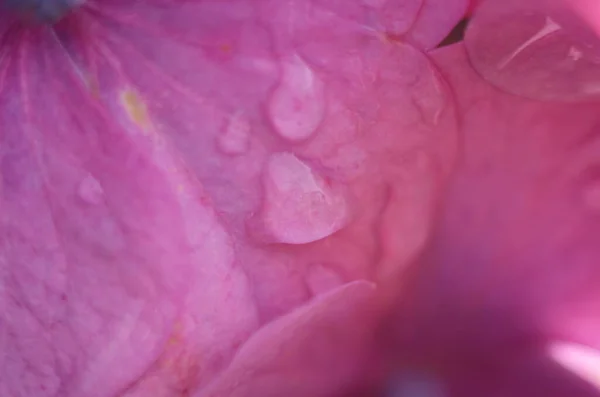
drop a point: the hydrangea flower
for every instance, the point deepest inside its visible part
(247, 198)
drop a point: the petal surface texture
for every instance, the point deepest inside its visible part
(179, 180)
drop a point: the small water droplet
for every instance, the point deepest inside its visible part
(541, 52)
(297, 106)
(235, 138)
(90, 190)
(135, 108)
(575, 54)
(300, 206)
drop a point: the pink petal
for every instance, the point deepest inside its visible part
(379, 100)
(107, 242)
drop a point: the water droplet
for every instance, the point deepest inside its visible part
(235, 137)
(135, 108)
(549, 27)
(581, 360)
(539, 52)
(575, 54)
(90, 190)
(591, 196)
(297, 105)
(300, 206)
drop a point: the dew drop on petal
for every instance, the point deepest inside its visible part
(297, 105)
(534, 50)
(300, 207)
(90, 190)
(235, 136)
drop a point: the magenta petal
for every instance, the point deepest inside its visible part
(538, 49)
(285, 113)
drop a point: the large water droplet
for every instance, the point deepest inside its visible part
(300, 206)
(532, 49)
(297, 106)
(549, 27)
(90, 190)
(235, 137)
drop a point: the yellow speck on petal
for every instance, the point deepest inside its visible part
(392, 38)
(180, 362)
(135, 108)
(176, 334)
